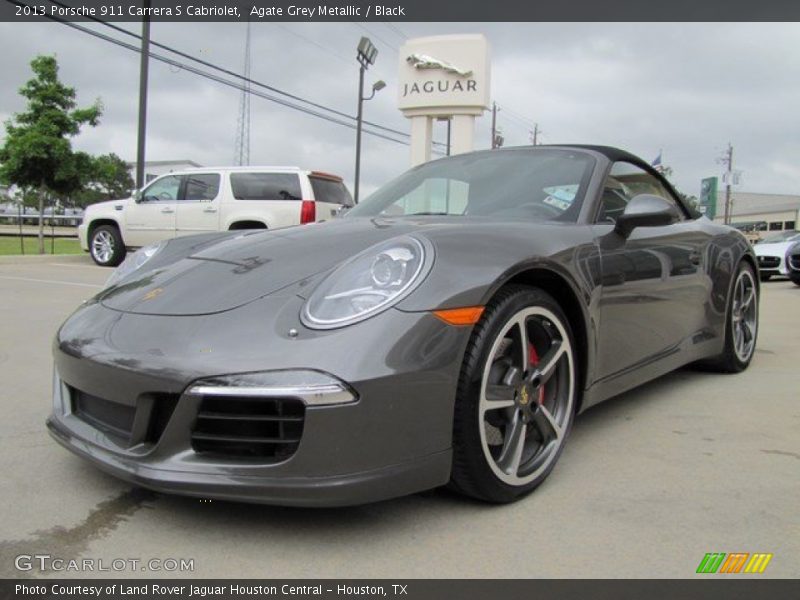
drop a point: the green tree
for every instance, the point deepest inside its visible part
(37, 152)
(112, 176)
(108, 178)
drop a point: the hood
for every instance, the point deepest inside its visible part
(212, 278)
(772, 248)
(107, 205)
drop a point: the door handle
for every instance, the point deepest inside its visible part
(209, 210)
(167, 211)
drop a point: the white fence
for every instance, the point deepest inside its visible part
(9, 218)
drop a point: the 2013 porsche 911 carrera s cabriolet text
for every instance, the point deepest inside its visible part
(445, 330)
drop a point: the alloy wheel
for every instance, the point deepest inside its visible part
(526, 395)
(103, 246)
(744, 315)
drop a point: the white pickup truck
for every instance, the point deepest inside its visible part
(212, 199)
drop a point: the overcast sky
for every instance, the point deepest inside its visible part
(688, 89)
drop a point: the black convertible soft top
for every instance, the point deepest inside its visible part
(609, 152)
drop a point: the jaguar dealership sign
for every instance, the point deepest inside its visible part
(443, 77)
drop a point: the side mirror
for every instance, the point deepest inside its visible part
(645, 210)
(137, 196)
(343, 211)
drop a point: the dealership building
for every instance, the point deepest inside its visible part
(156, 168)
(761, 212)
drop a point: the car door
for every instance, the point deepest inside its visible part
(151, 217)
(198, 208)
(653, 286)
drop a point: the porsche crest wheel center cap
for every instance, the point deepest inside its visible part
(524, 395)
(528, 392)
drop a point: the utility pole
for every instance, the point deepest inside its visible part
(535, 134)
(242, 140)
(494, 125)
(144, 62)
(728, 162)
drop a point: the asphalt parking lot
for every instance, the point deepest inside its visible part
(649, 482)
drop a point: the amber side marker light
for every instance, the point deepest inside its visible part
(460, 316)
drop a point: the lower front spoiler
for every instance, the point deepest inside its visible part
(402, 479)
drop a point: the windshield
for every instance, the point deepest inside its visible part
(536, 185)
(783, 236)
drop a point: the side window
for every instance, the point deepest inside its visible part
(266, 186)
(201, 186)
(163, 190)
(624, 181)
(330, 190)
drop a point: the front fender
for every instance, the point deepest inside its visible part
(471, 265)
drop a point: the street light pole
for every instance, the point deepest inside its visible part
(366, 53)
(359, 122)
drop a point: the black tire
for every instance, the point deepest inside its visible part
(106, 246)
(795, 277)
(765, 276)
(731, 360)
(473, 474)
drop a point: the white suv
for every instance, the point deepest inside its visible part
(213, 199)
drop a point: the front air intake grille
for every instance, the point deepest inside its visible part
(768, 262)
(109, 417)
(249, 427)
(128, 425)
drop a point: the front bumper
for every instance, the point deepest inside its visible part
(772, 265)
(83, 236)
(394, 440)
(338, 490)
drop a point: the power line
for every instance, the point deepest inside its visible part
(192, 58)
(519, 120)
(313, 42)
(532, 132)
(376, 36)
(329, 52)
(396, 30)
(514, 122)
(217, 68)
(517, 114)
(218, 79)
(510, 115)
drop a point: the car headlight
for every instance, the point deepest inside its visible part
(368, 283)
(134, 262)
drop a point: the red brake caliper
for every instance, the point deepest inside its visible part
(534, 360)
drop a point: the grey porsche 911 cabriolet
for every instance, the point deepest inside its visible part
(445, 330)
